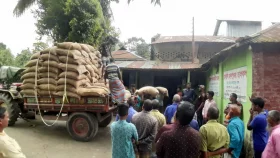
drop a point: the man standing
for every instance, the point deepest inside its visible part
(183, 141)
(215, 137)
(258, 125)
(189, 94)
(236, 131)
(146, 126)
(272, 149)
(9, 148)
(233, 100)
(131, 110)
(171, 109)
(208, 103)
(200, 104)
(160, 119)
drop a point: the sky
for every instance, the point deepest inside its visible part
(140, 18)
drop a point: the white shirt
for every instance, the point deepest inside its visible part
(207, 105)
(9, 148)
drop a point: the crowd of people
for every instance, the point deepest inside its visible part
(189, 128)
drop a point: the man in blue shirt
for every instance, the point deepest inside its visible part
(171, 109)
(258, 125)
(123, 133)
(236, 131)
(131, 110)
(189, 94)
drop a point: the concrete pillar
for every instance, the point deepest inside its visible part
(189, 76)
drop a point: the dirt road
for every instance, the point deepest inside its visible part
(40, 141)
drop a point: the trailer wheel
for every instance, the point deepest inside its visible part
(12, 107)
(82, 126)
(106, 122)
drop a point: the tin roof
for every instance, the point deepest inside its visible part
(214, 39)
(125, 55)
(156, 65)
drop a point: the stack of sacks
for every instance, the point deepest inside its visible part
(74, 67)
(46, 71)
(163, 91)
(127, 95)
(147, 90)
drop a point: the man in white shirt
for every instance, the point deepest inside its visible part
(208, 103)
(9, 148)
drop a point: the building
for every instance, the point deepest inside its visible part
(124, 55)
(251, 66)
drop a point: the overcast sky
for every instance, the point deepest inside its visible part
(142, 19)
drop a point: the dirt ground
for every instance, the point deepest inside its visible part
(39, 141)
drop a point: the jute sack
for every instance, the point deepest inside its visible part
(33, 63)
(35, 56)
(80, 61)
(69, 45)
(80, 69)
(76, 84)
(27, 86)
(48, 69)
(148, 90)
(47, 75)
(92, 91)
(46, 81)
(94, 80)
(92, 56)
(46, 92)
(91, 48)
(163, 91)
(69, 88)
(84, 54)
(100, 85)
(49, 87)
(90, 70)
(47, 57)
(71, 53)
(29, 80)
(85, 48)
(30, 69)
(94, 68)
(127, 95)
(28, 92)
(28, 75)
(72, 75)
(50, 64)
(51, 50)
(98, 54)
(69, 94)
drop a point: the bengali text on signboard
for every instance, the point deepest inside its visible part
(214, 84)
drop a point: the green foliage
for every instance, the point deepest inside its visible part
(39, 46)
(23, 57)
(138, 46)
(6, 57)
(143, 50)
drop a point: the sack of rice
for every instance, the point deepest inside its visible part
(69, 88)
(28, 92)
(91, 48)
(47, 57)
(127, 95)
(49, 87)
(79, 61)
(46, 81)
(28, 75)
(85, 48)
(50, 64)
(148, 90)
(35, 56)
(30, 69)
(84, 54)
(27, 86)
(48, 69)
(29, 80)
(76, 84)
(90, 70)
(46, 92)
(69, 45)
(75, 54)
(32, 63)
(68, 94)
(89, 91)
(163, 91)
(72, 75)
(80, 69)
(51, 50)
(47, 75)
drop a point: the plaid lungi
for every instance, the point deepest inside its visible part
(117, 90)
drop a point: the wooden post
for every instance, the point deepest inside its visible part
(189, 76)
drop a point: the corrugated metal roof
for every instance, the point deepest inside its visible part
(156, 65)
(168, 39)
(125, 55)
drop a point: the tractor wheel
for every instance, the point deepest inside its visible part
(12, 107)
(82, 126)
(106, 122)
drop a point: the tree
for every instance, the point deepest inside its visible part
(39, 46)
(143, 50)
(6, 57)
(138, 46)
(23, 57)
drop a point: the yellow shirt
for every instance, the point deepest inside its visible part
(9, 148)
(160, 118)
(214, 136)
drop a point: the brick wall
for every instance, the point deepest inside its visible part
(266, 77)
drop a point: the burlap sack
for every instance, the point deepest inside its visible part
(90, 70)
(127, 95)
(99, 92)
(94, 68)
(27, 86)
(69, 45)
(47, 57)
(51, 50)
(71, 53)
(91, 48)
(69, 88)
(46, 92)
(73, 75)
(93, 57)
(28, 75)
(163, 91)
(76, 84)
(32, 63)
(94, 80)
(50, 64)
(148, 90)
(80, 69)
(80, 61)
(29, 80)
(47, 75)
(35, 56)
(85, 48)
(46, 81)
(84, 54)
(47, 87)
(69, 94)
(30, 69)
(98, 54)
(28, 92)
(50, 69)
